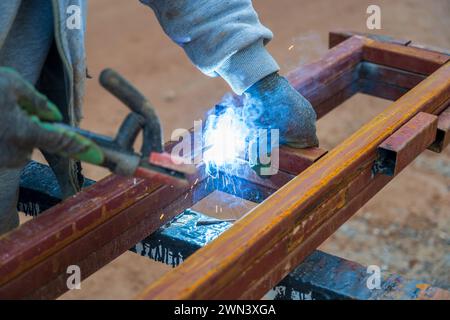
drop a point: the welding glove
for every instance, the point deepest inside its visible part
(22, 109)
(272, 103)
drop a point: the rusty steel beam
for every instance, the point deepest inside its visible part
(266, 244)
(405, 144)
(414, 44)
(40, 238)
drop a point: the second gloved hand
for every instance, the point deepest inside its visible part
(23, 112)
(272, 103)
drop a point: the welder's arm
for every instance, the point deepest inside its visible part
(225, 38)
(26, 115)
(222, 38)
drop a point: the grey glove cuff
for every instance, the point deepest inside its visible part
(247, 66)
(267, 84)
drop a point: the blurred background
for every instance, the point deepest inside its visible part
(404, 229)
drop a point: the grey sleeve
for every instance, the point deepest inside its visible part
(220, 37)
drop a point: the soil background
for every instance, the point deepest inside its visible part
(404, 229)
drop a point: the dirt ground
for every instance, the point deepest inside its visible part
(404, 229)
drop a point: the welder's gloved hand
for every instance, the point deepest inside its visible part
(272, 103)
(22, 108)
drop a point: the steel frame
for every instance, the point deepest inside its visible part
(95, 226)
(320, 276)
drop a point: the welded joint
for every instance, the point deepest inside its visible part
(405, 144)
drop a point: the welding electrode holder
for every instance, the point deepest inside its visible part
(119, 155)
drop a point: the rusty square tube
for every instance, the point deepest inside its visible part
(405, 144)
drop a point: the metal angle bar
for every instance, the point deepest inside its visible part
(328, 105)
(48, 287)
(286, 225)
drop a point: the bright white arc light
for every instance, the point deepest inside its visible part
(225, 139)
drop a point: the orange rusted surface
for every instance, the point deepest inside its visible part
(266, 244)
